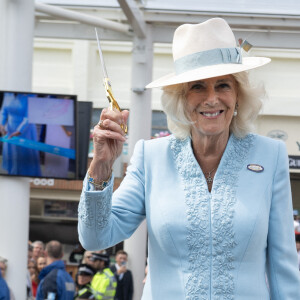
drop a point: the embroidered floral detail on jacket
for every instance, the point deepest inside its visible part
(95, 206)
(197, 285)
(103, 208)
(210, 218)
(85, 211)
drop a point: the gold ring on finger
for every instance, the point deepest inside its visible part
(100, 124)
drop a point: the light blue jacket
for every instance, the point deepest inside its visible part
(202, 245)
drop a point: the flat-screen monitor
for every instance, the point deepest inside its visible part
(84, 117)
(38, 135)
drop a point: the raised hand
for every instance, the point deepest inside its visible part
(108, 138)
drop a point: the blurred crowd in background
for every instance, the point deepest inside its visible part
(92, 274)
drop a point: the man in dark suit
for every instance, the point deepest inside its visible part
(123, 277)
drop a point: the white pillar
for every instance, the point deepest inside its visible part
(16, 35)
(80, 61)
(14, 222)
(139, 128)
(17, 18)
(140, 117)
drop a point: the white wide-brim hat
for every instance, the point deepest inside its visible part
(206, 50)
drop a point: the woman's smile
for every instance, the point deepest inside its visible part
(211, 115)
(211, 104)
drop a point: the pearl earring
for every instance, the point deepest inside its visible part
(235, 110)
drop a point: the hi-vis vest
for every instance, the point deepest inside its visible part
(86, 292)
(105, 284)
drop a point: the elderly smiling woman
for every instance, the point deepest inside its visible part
(216, 197)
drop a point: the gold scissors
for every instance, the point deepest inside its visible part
(113, 104)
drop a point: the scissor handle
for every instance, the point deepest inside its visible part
(113, 104)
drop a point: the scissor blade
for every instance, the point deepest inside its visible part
(101, 56)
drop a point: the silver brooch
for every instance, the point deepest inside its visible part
(255, 168)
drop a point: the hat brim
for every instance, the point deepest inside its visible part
(85, 274)
(209, 72)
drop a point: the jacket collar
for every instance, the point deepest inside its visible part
(59, 264)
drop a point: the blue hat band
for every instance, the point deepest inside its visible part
(216, 56)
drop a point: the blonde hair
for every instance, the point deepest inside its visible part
(249, 104)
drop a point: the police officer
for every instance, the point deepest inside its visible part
(104, 281)
(84, 277)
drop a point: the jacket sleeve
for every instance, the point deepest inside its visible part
(39, 293)
(283, 273)
(105, 219)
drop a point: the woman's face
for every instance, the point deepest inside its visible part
(210, 105)
(31, 267)
(41, 263)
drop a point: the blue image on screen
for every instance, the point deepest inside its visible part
(37, 135)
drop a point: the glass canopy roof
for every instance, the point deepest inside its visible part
(288, 7)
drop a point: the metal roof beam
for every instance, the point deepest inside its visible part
(263, 31)
(81, 17)
(134, 16)
(173, 17)
(258, 38)
(163, 34)
(262, 21)
(271, 39)
(73, 30)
